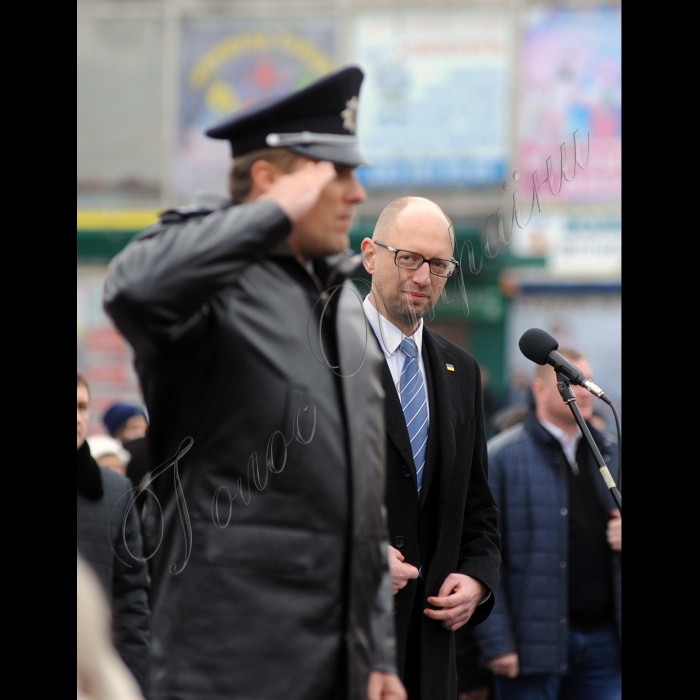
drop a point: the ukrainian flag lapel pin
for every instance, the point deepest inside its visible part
(450, 368)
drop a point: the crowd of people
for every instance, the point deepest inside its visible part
(314, 502)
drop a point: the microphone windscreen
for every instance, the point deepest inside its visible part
(536, 345)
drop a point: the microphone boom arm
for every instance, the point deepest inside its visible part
(570, 399)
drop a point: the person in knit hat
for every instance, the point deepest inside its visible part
(125, 421)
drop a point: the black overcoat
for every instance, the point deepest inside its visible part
(109, 539)
(271, 580)
(453, 528)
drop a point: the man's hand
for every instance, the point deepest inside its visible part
(506, 665)
(400, 572)
(458, 596)
(385, 686)
(297, 192)
(614, 531)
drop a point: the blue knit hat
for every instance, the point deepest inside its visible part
(118, 414)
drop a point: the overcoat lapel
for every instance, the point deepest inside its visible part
(433, 429)
(396, 422)
(445, 386)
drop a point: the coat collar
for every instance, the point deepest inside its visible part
(544, 438)
(89, 477)
(327, 274)
(434, 429)
(542, 435)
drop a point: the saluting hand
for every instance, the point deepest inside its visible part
(297, 192)
(458, 596)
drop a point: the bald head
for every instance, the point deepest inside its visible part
(401, 293)
(388, 222)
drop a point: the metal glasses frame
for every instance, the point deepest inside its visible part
(424, 260)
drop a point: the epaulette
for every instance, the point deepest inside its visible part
(172, 216)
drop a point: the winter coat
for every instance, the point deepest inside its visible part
(530, 616)
(109, 538)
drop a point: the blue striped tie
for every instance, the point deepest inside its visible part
(414, 401)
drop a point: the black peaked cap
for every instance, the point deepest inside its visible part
(318, 121)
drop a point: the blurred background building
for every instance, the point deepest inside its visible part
(462, 102)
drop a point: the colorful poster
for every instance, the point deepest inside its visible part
(228, 64)
(435, 102)
(570, 82)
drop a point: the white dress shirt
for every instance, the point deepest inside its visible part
(390, 338)
(569, 443)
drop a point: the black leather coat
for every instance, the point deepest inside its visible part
(271, 580)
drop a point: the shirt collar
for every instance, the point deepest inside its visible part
(389, 335)
(566, 440)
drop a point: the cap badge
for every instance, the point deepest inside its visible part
(349, 115)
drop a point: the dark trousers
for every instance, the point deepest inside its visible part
(411, 679)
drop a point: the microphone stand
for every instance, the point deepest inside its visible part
(570, 399)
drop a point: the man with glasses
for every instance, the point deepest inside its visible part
(444, 551)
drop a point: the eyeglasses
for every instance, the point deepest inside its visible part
(408, 260)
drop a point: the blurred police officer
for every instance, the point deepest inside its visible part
(271, 580)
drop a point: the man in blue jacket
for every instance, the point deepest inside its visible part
(555, 628)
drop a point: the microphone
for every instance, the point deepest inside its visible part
(539, 347)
